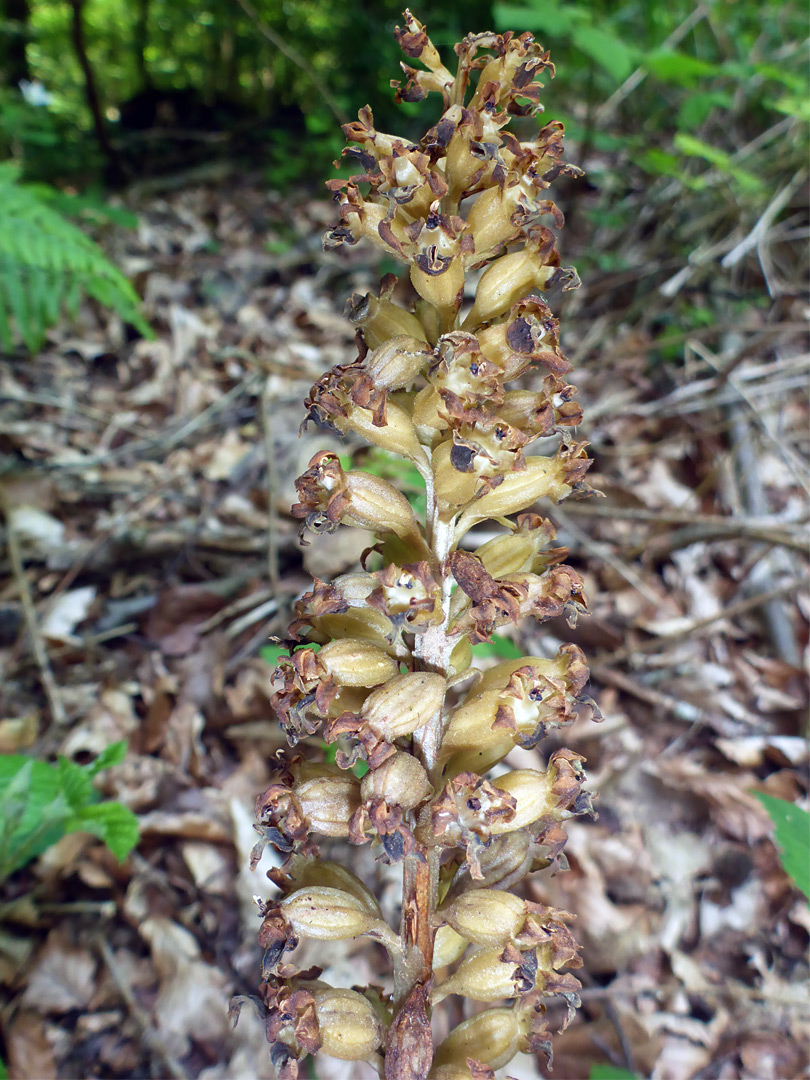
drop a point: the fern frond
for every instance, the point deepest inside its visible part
(46, 264)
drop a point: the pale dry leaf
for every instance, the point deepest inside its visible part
(192, 1000)
(66, 611)
(747, 909)
(680, 1059)
(18, 733)
(30, 1052)
(209, 866)
(109, 718)
(660, 489)
(225, 455)
(752, 750)
(63, 977)
(36, 527)
(196, 814)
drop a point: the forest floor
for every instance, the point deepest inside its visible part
(148, 497)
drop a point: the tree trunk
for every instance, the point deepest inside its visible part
(91, 93)
(140, 40)
(14, 62)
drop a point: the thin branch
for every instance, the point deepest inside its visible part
(605, 553)
(46, 675)
(698, 626)
(787, 455)
(766, 219)
(91, 90)
(748, 527)
(266, 405)
(640, 74)
(151, 1036)
(775, 564)
(294, 57)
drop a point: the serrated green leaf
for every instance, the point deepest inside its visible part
(17, 789)
(75, 783)
(38, 829)
(39, 800)
(791, 827)
(111, 755)
(111, 822)
(47, 263)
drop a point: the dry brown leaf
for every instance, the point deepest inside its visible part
(192, 1001)
(30, 1053)
(62, 977)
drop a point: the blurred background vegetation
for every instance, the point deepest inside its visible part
(112, 89)
(667, 105)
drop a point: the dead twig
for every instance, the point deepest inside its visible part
(762, 227)
(294, 57)
(775, 564)
(786, 453)
(749, 527)
(272, 485)
(46, 675)
(161, 443)
(698, 626)
(150, 1036)
(640, 74)
(681, 710)
(603, 551)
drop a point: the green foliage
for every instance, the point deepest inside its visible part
(792, 837)
(41, 802)
(499, 647)
(610, 1072)
(47, 263)
(689, 91)
(399, 472)
(273, 653)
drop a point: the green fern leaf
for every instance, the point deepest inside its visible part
(47, 264)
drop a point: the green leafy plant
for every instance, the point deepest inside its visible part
(792, 837)
(47, 263)
(41, 802)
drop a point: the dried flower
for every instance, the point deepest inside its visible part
(378, 650)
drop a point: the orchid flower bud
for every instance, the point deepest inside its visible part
(404, 704)
(381, 320)
(348, 1024)
(491, 1037)
(487, 976)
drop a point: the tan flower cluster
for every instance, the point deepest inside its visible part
(381, 661)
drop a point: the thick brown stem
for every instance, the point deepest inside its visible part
(410, 1043)
(416, 931)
